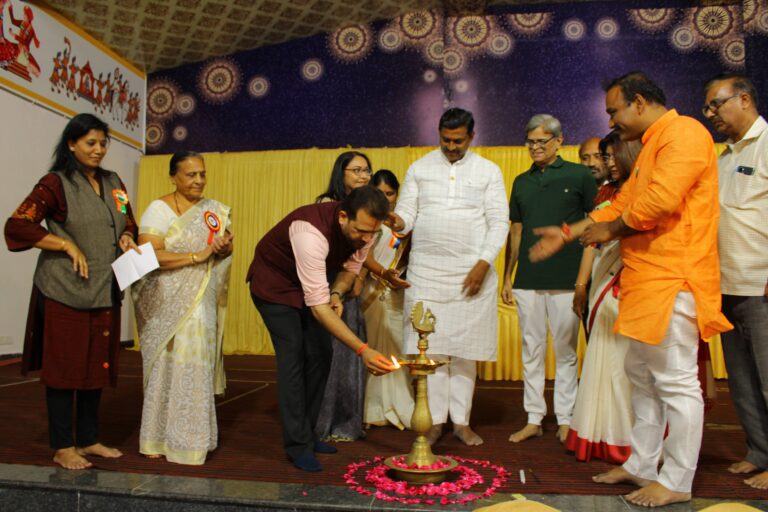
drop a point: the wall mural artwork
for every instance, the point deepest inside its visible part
(51, 61)
(386, 84)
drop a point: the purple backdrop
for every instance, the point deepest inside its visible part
(386, 84)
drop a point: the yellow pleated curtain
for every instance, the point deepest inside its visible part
(263, 186)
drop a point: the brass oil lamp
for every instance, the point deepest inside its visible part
(421, 465)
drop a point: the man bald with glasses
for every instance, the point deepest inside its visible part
(552, 191)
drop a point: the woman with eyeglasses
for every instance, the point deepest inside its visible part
(341, 411)
(602, 419)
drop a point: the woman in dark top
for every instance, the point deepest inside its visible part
(73, 327)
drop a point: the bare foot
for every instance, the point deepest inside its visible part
(562, 433)
(656, 495)
(434, 433)
(618, 475)
(69, 458)
(100, 450)
(152, 455)
(467, 435)
(758, 481)
(742, 468)
(530, 430)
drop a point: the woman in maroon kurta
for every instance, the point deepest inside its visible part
(73, 327)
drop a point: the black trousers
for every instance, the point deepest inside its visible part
(61, 402)
(303, 350)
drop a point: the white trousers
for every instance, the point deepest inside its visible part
(534, 309)
(450, 389)
(667, 393)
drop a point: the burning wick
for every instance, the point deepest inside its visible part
(522, 476)
(395, 363)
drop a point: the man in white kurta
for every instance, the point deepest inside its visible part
(455, 203)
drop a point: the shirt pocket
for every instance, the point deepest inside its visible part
(472, 193)
(740, 190)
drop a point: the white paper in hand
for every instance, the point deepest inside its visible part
(132, 266)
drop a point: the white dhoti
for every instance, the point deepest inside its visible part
(450, 390)
(536, 309)
(667, 392)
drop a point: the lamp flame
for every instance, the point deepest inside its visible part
(395, 362)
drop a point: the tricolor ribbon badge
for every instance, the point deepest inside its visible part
(121, 200)
(213, 223)
(394, 242)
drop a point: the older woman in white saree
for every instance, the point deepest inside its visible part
(180, 311)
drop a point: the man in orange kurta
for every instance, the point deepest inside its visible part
(666, 216)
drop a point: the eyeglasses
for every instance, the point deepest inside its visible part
(607, 158)
(359, 171)
(714, 105)
(538, 142)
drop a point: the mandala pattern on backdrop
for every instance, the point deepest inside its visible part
(258, 86)
(574, 29)
(391, 40)
(713, 22)
(651, 20)
(161, 98)
(500, 44)
(606, 28)
(418, 25)
(186, 104)
(219, 81)
(470, 31)
(529, 24)
(179, 133)
(351, 43)
(155, 135)
(312, 70)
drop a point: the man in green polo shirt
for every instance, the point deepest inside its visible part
(551, 192)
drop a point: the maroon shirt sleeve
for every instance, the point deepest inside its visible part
(23, 229)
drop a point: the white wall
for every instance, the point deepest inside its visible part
(28, 134)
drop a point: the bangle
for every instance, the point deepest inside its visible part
(360, 350)
(580, 284)
(565, 232)
(335, 292)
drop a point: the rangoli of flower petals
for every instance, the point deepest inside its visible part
(651, 20)
(529, 24)
(185, 104)
(155, 135)
(180, 133)
(500, 44)
(161, 97)
(258, 86)
(312, 70)
(390, 40)
(465, 488)
(418, 25)
(351, 43)
(453, 61)
(434, 52)
(430, 76)
(574, 29)
(219, 81)
(713, 22)
(733, 53)
(471, 31)
(606, 28)
(683, 38)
